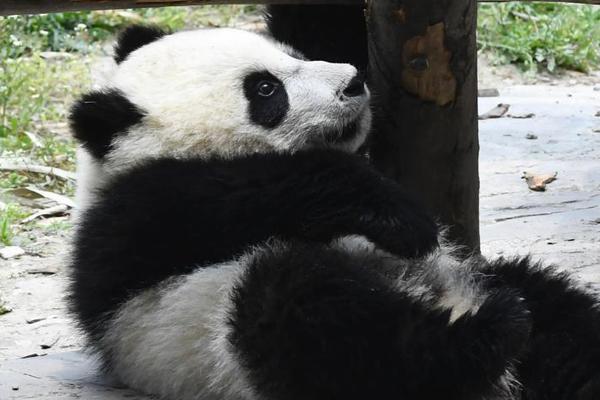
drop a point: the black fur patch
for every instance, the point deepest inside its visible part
(169, 216)
(266, 111)
(134, 37)
(312, 322)
(99, 117)
(322, 32)
(563, 354)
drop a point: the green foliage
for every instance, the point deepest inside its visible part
(541, 35)
(80, 31)
(8, 217)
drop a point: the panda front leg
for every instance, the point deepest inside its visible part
(563, 354)
(313, 322)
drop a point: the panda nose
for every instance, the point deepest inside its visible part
(356, 86)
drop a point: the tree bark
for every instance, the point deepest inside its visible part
(423, 73)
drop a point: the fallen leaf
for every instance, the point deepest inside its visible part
(521, 116)
(36, 198)
(34, 139)
(59, 209)
(496, 112)
(538, 182)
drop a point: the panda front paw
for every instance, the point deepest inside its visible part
(408, 233)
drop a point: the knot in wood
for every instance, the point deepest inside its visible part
(420, 63)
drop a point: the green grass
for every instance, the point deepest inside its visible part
(541, 36)
(9, 219)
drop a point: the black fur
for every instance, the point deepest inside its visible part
(265, 111)
(312, 322)
(99, 117)
(134, 37)
(168, 216)
(322, 32)
(563, 358)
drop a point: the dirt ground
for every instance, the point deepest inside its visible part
(560, 225)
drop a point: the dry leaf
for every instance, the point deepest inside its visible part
(59, 209)
(37, 198)
(521, 116)
(496, 112)
(538, 182)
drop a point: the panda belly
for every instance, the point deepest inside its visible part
(172, 340)
(196, 336)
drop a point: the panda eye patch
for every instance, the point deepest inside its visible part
(267, 88)
(268, 101)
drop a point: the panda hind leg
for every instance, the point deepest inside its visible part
(311, 321)
(562, 360)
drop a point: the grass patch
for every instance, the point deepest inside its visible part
(541, 36)
(9, 218)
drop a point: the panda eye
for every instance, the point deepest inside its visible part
(266, 88)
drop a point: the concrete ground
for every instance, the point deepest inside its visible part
(560, 225)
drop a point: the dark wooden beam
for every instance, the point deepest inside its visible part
(423, 71)
(13, 7)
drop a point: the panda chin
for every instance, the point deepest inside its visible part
(344, 135)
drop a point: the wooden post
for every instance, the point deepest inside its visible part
(423, 73)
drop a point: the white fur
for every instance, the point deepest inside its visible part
(172, 340)
(90, 176)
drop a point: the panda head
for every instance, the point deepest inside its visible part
(217, 92)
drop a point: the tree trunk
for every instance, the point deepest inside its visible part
(423, 73)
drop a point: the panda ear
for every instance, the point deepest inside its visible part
(134, 37)
(101, 116)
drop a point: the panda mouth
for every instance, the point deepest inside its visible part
(348, 132)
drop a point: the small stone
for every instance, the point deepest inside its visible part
(9, 252)
(488, 92)
(530, 136)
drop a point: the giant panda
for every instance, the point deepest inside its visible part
(230, 245)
